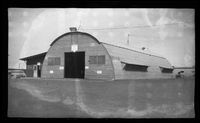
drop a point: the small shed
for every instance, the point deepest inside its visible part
(80, 55)
(34, 64)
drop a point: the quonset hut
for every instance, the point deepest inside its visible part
(80, 55)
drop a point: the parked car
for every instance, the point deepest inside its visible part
(180, 74)
(16, 74)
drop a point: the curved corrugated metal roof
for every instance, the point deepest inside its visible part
(126, 54)
(77, 32)
(134, 56)
(146, 51)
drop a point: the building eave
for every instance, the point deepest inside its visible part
(33, 56)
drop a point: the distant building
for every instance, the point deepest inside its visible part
(185, 71)
(80, 55)
(34, 64)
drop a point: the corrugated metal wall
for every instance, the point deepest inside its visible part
(85, 43)
(134, 57)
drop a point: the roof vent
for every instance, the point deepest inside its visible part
(143, 48)
(73, 29)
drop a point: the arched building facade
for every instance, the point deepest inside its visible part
(80, 55)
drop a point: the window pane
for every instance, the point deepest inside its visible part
(50, 60)
(101, 59)
(30, 67)
(133, 67)
(53, 61)
(166, 70)
(93, 59)
(57, 61)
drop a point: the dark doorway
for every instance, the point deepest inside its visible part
(38, 71)
(74, 65)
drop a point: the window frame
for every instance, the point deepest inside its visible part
(93, 60)
(96, 60)
(166, 70)
(134, 67)
(102, 62)
(54, 61)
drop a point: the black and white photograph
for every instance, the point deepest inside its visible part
(101, 62)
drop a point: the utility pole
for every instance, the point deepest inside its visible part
(128, 40)
(79, 26)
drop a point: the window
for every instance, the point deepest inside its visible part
(54, 61)
(97, 59)
(30, 67)
(134, 67)
(166, 70)
(101, 59)
(57, 61)
(93, 59)
(34, 67)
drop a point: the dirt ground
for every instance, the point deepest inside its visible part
(159, 98)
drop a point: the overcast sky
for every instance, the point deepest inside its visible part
(31, 31)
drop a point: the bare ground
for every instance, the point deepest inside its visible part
(168, 98)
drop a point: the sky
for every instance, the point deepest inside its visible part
(167, 32)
